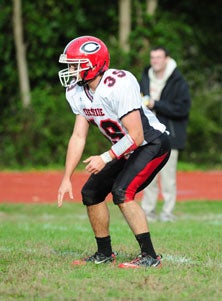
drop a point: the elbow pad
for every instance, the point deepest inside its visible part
(124, 146)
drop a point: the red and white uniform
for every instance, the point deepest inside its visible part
(117, 94)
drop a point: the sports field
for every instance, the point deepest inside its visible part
(38, 243)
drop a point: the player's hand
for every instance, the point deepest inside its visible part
(66, 186)
(95, 164)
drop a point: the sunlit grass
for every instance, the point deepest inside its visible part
(39, 242)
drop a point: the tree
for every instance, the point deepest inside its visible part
(151, 6)
(124, 23)
(21, 54)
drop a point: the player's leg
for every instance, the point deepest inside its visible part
(99, 219)
(94, 193)
(139, 171)
(136, 219)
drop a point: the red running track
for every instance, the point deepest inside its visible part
(41, 187)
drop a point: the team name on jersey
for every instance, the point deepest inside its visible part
(94, 112)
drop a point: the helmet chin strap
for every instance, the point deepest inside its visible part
(84, 82)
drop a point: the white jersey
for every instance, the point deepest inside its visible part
(117, 94)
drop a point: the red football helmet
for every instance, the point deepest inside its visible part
(86, 57)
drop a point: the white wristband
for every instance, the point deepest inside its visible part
(124, 146)
(106, 157)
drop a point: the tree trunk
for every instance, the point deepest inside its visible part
(21, 54)
(124, 23)
(151, 6)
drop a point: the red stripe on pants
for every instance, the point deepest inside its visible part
(142, 176)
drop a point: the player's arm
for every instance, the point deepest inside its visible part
(128, 143)
(128, 109)
(134, 138)
(132, 122)
(74, 152)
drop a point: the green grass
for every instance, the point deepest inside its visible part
(38, 243)
(182, 166)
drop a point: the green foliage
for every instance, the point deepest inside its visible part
(161, 29)
(205, 129)
(36, 134)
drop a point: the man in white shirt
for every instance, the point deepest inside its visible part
(166, 93)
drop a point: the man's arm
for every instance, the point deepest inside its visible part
(74, 152)
(133, 123)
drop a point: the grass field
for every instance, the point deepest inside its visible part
(39, 242)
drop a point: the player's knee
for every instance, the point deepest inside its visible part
(89, 198)
(118, 195)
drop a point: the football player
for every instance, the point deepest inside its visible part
(111, 100)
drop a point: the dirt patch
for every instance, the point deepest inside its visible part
(42, 187)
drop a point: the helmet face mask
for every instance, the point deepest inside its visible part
(71, 75)
(87, 57)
